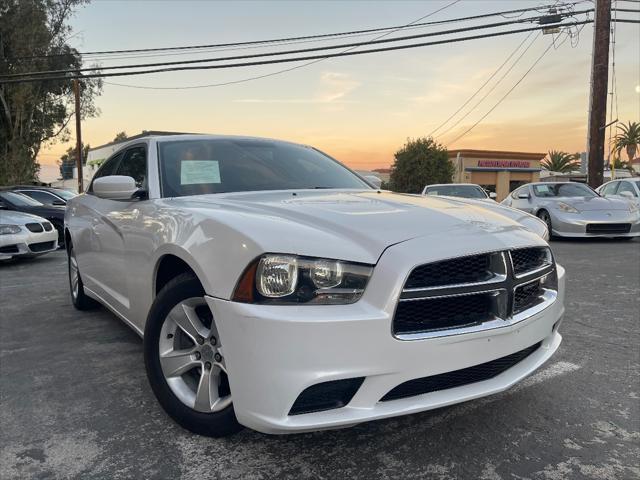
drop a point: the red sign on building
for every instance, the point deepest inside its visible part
(503, 163)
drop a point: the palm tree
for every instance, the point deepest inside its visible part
(628, 138)
(558, 161)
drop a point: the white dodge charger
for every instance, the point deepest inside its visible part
(276, 289)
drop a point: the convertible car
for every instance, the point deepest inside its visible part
(275, 288)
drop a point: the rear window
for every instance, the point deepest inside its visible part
(196, 167)
(464, 191)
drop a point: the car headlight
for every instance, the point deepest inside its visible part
(9, 229)
(565, 207)
(290, 279)
(633, 207)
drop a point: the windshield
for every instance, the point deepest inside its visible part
(19, 200)
(196, 167)
(567, 189)
(67, 195)
(464, 191)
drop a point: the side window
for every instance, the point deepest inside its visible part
(134, 164)
(107, 168)
(516, 192)
(41, 196)
(626, 187)
(609, 188)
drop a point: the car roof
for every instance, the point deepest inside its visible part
(452, 185)
(191, 137)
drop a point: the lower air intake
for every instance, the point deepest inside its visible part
(326, 396)
(458, 378)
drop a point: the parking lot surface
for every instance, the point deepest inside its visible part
(75, 402)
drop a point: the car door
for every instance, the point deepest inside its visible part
(110, 227)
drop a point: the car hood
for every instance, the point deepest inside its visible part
(591, 204)
(18, 218)
(314, 222)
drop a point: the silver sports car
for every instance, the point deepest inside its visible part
(574, 210)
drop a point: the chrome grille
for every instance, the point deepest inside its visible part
(526, 260)
(34, 227)
(471, 269)
(501, 288)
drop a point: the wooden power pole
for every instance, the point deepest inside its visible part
(76, 93)
(599, 90)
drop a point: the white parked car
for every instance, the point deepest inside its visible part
(277, 290)
(25, 235)
(462, 190)
(625, 188)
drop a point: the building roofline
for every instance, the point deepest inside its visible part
(497, 154)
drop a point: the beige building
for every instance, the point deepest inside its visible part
(496, 171)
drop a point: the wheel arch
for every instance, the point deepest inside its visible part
(172, 261)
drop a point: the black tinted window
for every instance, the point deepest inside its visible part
(233, 165)
(41, 196)
(134, 164)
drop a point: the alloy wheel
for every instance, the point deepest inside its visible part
(191, 357)
(74, 277)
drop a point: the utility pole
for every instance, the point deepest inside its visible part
(76, 93)
(599, 89)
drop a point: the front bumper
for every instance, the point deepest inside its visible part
(28, 244)
(273, 353)
(575, 224)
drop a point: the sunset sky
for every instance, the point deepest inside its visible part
(359, 109)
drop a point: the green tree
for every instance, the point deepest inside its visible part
(628, 138)
(558, 161)
(33, 36)
(120, 137)
(67, 161)
(418, 163)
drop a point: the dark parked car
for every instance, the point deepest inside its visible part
(10, 200)
(45, 195)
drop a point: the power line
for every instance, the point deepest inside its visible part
(305, 37)
(493, 87)
(495, 72)
(284, 52)
(289, 60)
(508, 92)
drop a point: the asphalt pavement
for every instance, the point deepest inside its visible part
(75, 403)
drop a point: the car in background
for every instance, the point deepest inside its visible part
(10, 200)
(625, 188)
(24, 235)
(266, 279)
(46, 195)
(573, 209)
(462, 190)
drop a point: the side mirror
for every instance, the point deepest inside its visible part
(493, 195)
(59, 202)
(115, 187)
(627, 195)
(523, 196)
(373, 180)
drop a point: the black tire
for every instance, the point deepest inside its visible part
(59, 226)
(79, 299)
(546, 218)
(216, 424)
